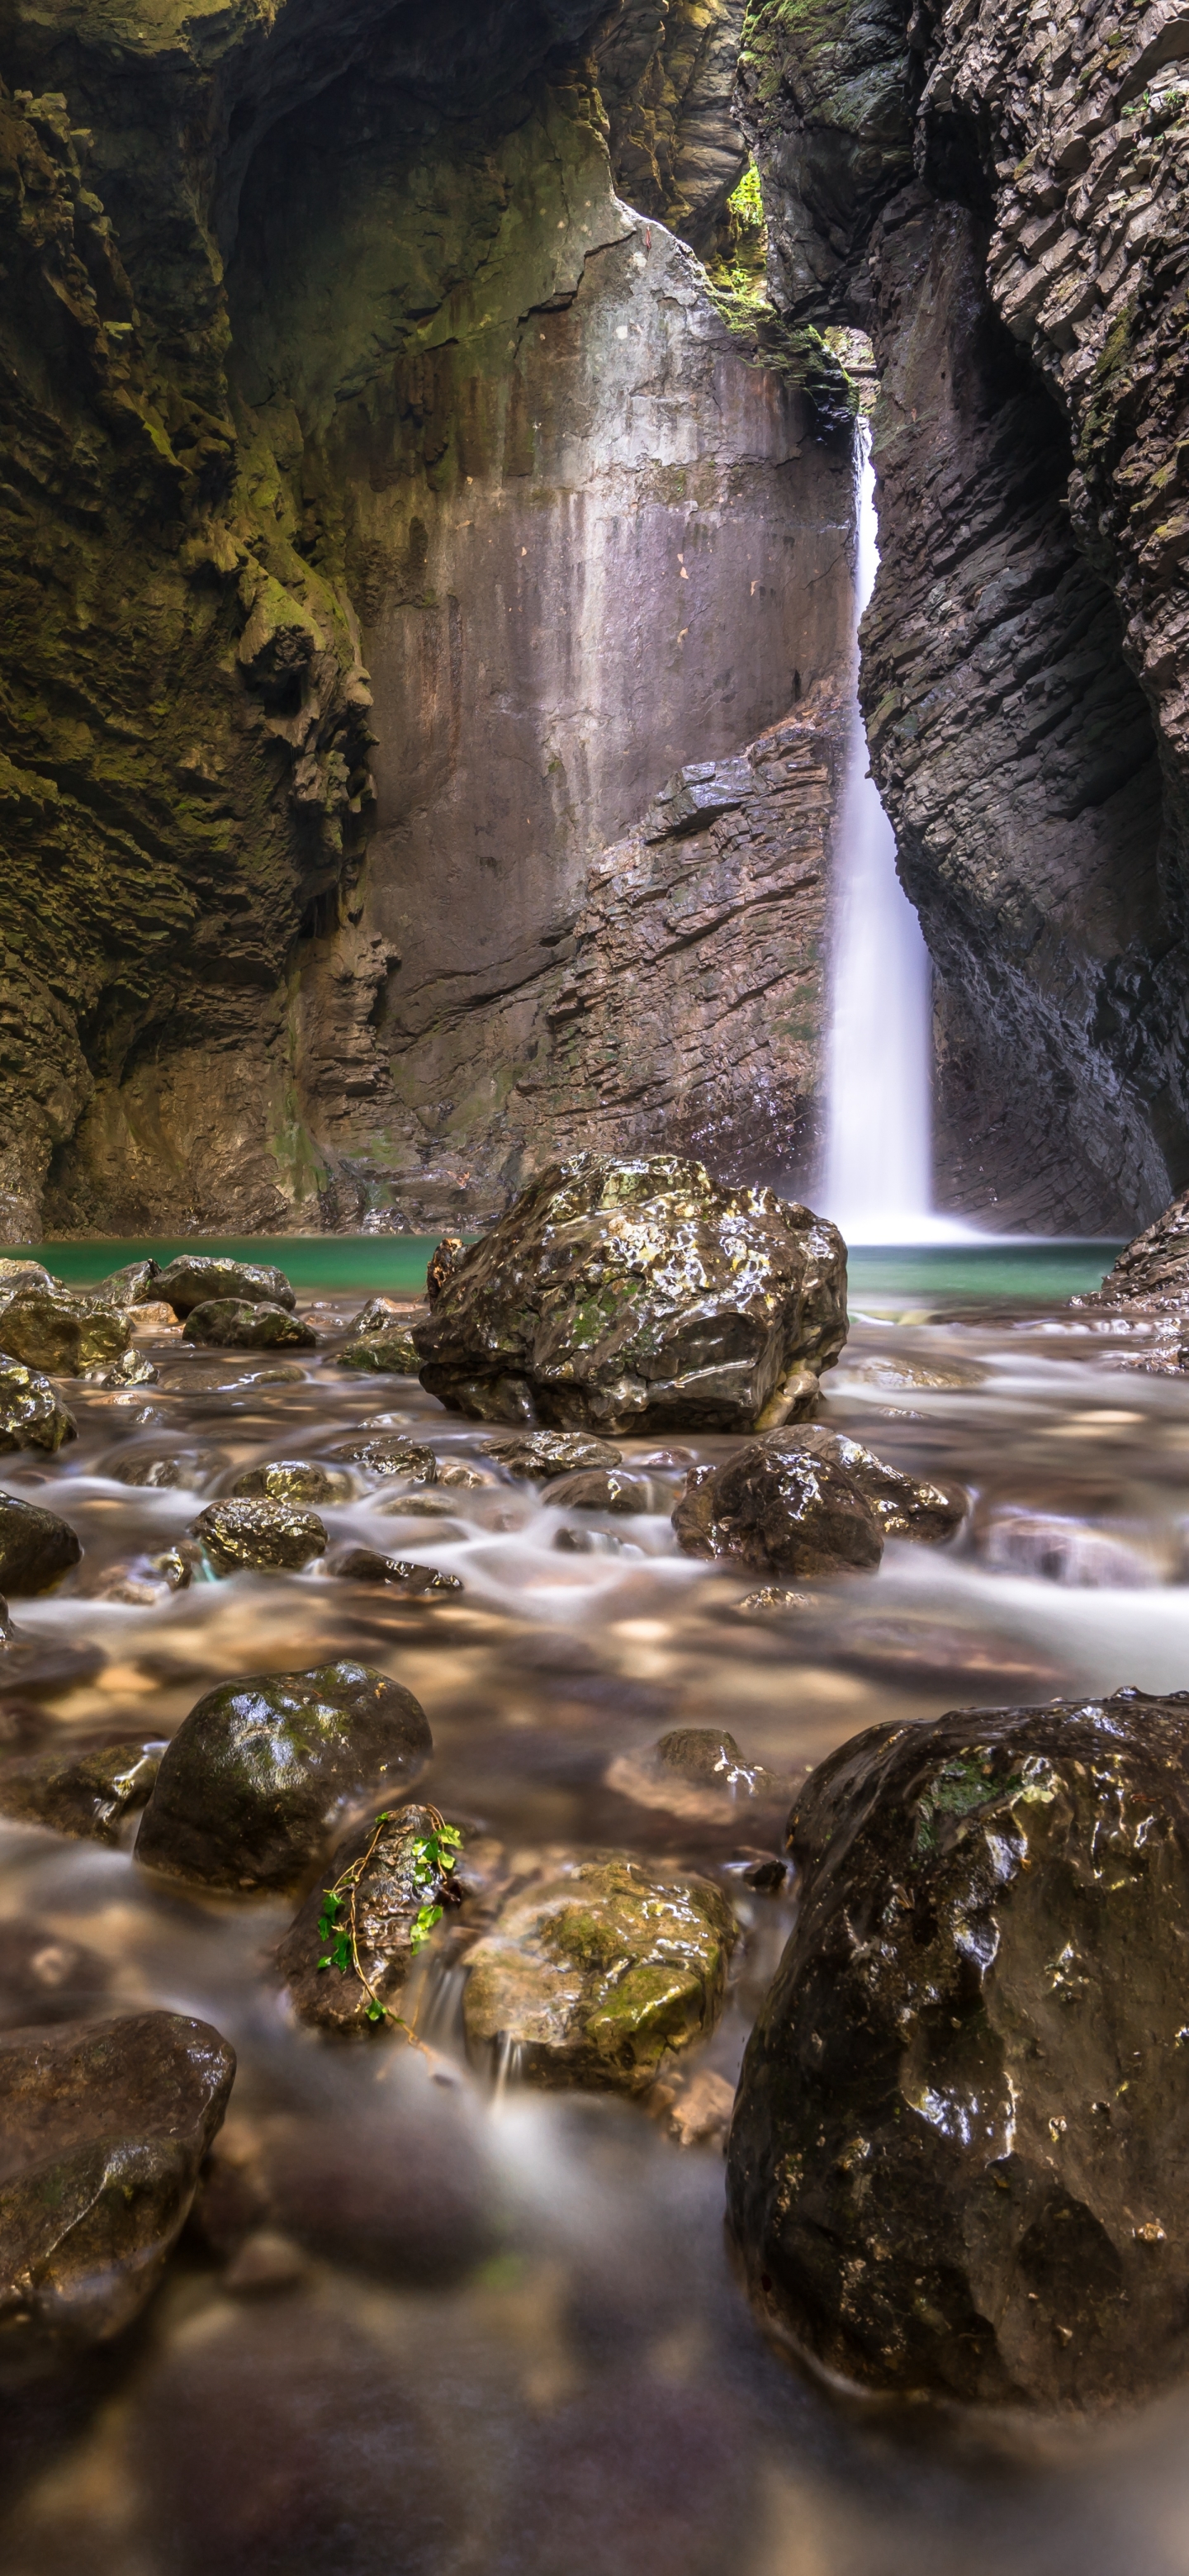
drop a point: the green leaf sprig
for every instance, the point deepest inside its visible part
(434, 1856)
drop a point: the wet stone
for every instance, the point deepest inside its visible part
(134, 1285)
(639, 1296)
(103, 2128)
(293, 1480)
(607, 1489)
(133, 1368)
(380, 1343)
(595, 1974)
(957, 2153)
(390, 1886)
(260, 1774)
(32, 1415)
(388, 1454)
(264, 1537)
(707, 1757)
(367, 1565)
(443, 1262)
(237, 1324)
(36, 1548)
(544, 1454)
(778, 1512)
(46, 1977)
(64, 1334)
(197, 1280)
(85, 1793)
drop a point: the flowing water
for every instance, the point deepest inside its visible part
(878, 1181)
(487, 2329)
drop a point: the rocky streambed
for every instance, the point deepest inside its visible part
(288, 2290)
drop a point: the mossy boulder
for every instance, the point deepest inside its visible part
(293, 1480)
(957, 2156)
(264, 1537)
(200, 1279)
(639, 1296)
(105, 2124)
(596, 1973)
(262, 1772)
(50, 1329)
(36, 1548)
(32, 1415)
(237, 1324)
(86, 1794)
(395, 1882)
(544, 1454)
(807, 1501)
(379, 1343)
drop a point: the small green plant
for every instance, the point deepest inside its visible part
(433, 1856)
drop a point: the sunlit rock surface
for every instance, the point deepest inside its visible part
(957, 2144)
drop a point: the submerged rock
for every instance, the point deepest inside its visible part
(45, 1977)
(807, 1501)
(391, 1883)
(638, 1296)
(51, 1329)
(956, 2158)
(266, 1537)
(104, 2125)
(32, 1415)
(293, 1480)
(237, 1324)
(379, 1343)
(695, 1771)
(592, 1976)
(197, 1279)
(85, 1794)
(607, 1489)
(530, 1454)
(389, 1454)
(367, 1565)
(36, 1548)
(260, 1773)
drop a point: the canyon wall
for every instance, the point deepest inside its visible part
(999, 198)
(388, 521)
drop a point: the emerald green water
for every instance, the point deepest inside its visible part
(391, 1264)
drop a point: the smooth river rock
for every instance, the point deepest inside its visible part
(957, 2157)
(84, 1794)
(639, 1296)
(51, 1329)
(35, 1546)
(545, 1454)
(380, 1344)
(597, 1972)
(241, 1324)
(196, 1278)
(32, 1414)
(389, 1454)
(103, 2128)
(264, 1537)
(390, 1894)
(808, 1501)
(368, 1565)
(262, 1771)
(292, 1480)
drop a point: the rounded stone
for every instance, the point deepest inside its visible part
(32, 1415)
(36, 1548)
(292, 1480)
(265, 1537)
(196, 1278)
(607, 1489)
(532, 1454)
(238, 1324)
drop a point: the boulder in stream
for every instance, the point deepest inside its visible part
(36, 1548)
(957, 2156)
(389, 1453)
(263, 1771)
(32, 1414)
(239, 1324)
(49, 1328)
(639, 1296)
(807, 1501)
(263, 1537)
(391, 1885)
(367, 1565)
(596, 1972)
(194, 1279)
(103, 2128)
(292, 1480)
(380, 1343)
(545, 1454)
(134, 1285)
(87, 1793)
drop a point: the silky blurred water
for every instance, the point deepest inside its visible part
(511, 2339)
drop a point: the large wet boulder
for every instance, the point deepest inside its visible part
(103, 2128)
(32, 1414)
(36, 1548)
(263, 1771)
(957, 2156)
(808, 1501)
(260, 1537)
(49, 1328)
(380, 1343)
(597, 1972)
(86, 1793)
(196, 1278)
(240, 1324)
(639, 1296)
(347, 1957)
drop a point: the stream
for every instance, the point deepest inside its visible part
(499, 2330)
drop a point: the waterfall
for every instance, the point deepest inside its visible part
(878, 1175)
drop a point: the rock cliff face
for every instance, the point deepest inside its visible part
(386, 516)
(1000, 201)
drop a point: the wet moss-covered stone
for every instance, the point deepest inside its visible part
(808, 1501)
(389, 1454)
(388, 1897)
(268, 1537)
(261, 1772)
(32, 1415)
(957, 2154)
(292, 1480)
(638, 1296)
(198, 1279)
(237, 1324)
(86, 1794)
(380, 1343)
(544, 1454)
(36, 1548)
(104, 2125)
(593, 1975)
(51, 1329)
(134, 1285)
(367, 1565)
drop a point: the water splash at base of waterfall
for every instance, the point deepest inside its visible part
(877, 1183)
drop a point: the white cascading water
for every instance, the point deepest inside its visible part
(879, 1140)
